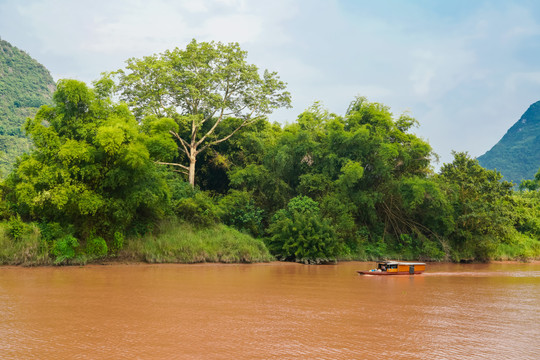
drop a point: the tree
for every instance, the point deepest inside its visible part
(200, 88)
(90, 166)
(531, 185)
(482, 207)
(298, 233)
(355, 166)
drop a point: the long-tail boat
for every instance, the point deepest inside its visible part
(396, 268)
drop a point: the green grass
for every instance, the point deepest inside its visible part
(176, 242)
(522, 248)
(28, 250)
(172, 242)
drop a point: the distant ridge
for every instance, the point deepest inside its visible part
(517, 154)
(25, 85)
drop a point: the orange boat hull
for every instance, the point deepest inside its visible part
(390, 267)
(388, 273)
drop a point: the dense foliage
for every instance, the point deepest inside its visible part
(532, 184)
(25, 85)
(298, 232)
(482, 208)
(200, 88)
(90, 169)
(353, 166)
(322, 188)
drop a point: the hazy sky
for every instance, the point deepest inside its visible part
(466, 70)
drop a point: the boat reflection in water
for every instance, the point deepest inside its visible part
(396, 268)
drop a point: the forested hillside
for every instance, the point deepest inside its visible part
(517, 154)
(25, 85)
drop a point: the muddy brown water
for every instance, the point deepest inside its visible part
(270, 311)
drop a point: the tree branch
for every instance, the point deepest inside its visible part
(220, 118)
(208, 117)
(209, 132)
(182, 141)
(182, 172)
(245, 123)
(173, 164)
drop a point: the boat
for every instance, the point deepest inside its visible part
(396, 268)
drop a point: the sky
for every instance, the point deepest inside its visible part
(466, 70)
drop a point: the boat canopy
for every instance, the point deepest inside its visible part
(401, 263)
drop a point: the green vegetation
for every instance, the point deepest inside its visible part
(482, 208)
(171, 241)
(25, 85)
(29, 249)
(298, 233)
(531, 185)
(99, 184)
(90, 167)
(175, 242)
(517, 154)
(200, 88)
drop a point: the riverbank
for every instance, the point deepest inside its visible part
(176, 242)
(172, 242)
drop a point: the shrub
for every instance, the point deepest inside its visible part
(16, 228)
(64, 249)
(117, 242)
(432, 250)
(376, 250)
(96, 248)
(198, 210)
(179, 189)
(299, 233)
(5, 211)
(51, 231)
(238, 210)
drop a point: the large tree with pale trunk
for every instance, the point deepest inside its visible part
(199, 88)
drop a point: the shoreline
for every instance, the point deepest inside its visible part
(120, 263)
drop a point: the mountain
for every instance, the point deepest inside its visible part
(25, 85)
(517, 154)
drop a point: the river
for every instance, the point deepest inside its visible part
(269, 311)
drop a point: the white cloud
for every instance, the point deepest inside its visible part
(470, 72)
(242, 28)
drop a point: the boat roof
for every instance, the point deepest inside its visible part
(390, 262)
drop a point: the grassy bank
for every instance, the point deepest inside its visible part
(28, 249)
(182, 243)
(176, 242)
(172, 242)
(523, 248)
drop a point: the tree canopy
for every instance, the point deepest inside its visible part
(532, 184)
(90, 166)
(357, 185)
(200, 88)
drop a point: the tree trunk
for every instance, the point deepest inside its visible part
(191, 173)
